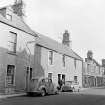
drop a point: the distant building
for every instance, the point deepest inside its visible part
(103, 65)
(92, 72)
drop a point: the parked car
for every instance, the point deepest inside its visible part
(43, 86)
(70, 86)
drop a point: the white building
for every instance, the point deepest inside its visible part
(56, 60)
(20, 50)
(14, 52)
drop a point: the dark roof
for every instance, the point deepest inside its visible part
(18, 23)
(58, 47)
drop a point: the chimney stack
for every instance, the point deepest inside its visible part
(66, 38)
(89, 55)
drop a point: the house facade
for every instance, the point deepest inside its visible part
(14, 51)
(92, 72)
(57, 60)
(24, 57)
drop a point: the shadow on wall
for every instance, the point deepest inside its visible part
(21, 67)
(39, 71)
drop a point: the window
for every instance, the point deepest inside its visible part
(29, 70)
(75, 63)
(12, 42)
(75, 78)
(9, 17)
(63, 59)
(50, 57)
(50, 76)
(63, 78)
(30, 73)
(10, 74)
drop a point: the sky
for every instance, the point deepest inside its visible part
(84, 19)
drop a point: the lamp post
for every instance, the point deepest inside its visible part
(29, 66)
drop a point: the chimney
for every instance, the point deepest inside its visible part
(66, 38)
(89, 55)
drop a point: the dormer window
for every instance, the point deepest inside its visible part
(9, 17)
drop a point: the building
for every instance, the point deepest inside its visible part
(57, 60)
(103, 65)
(14, 51)
(92, 72)
(24, 57)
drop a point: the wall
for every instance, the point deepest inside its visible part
(57, 67)
(20, 60)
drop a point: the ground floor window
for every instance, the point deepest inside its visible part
(50, 76)
(75, 78)
(63, 79)
(10, 74)
(29, 71)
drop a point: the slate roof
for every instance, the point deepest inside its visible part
(18, 23)
(56, 46)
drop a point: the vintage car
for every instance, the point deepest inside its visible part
(43, 86)
(70, 86)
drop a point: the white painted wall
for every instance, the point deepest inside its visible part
(22, 39)
(57, 67)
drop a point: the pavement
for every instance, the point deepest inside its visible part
(2, 96)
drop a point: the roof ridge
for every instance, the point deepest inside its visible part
(55, 45)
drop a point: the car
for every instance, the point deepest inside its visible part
(70, 86)
(44, 86)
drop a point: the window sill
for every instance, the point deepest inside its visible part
(12, 53)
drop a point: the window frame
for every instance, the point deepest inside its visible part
(64, 60)
(14, 43)
(10, 17)
(50, 57)
(75, 78)
(11, 76)
(75, 63)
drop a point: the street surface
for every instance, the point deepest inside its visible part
(94, 96)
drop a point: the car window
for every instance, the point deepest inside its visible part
(46, 80)
(67, 83)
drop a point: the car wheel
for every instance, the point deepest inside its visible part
(57, 91)
(43, 92)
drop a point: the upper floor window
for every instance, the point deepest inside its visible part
(12, 42)
(63, 60)
(75, 63)
(50, 57)
(9, 17)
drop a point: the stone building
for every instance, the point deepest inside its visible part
(14, 52)
(57, 60)
(92, 72)
(24, 57)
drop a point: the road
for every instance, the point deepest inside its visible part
(94, 96)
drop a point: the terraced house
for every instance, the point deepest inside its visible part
(57, 60)
(14, 52)
(25, 55)
(93, 72)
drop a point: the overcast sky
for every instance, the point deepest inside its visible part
(84, 19)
